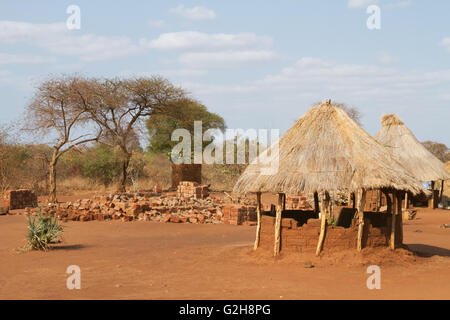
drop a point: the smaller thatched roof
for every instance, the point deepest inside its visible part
(405, 147)
(326, 150)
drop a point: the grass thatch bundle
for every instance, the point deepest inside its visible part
(326, 150)
(405, 147)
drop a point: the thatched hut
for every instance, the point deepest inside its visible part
(326, 151)
(406, 149)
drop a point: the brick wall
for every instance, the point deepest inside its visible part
(188, 189)
(297, 237)
(19, 199)
(239, 214)
(186, 172)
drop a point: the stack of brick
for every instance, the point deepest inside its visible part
(189, 189)
(238, 214)
(156, 207)
(297, 203)
(19, 199)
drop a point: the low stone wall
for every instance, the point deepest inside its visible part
(19, 199)
(301, 234)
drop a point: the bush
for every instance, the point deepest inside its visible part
(101, 164)
(43, 231)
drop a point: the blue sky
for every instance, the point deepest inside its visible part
(260, 64)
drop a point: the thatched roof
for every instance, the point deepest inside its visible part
(402, 143)
(326, 150)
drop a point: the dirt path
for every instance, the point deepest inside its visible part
(143, 260)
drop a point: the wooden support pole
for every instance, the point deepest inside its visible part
(433, 204)
(277, 245)
(388, 201)
(441, 194)
(399, 235)
(361, 204)
(316, 203)
(323, 224)
(394, 213)
(406, 200)
(258, 213)
(379, 198)
(354, 200)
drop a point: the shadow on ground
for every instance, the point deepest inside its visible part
(427, 251)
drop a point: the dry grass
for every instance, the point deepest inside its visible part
(404, 146)
(326, 150)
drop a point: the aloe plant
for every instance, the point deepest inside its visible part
(43, 231)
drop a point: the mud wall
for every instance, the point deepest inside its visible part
(303, 237)
(186, 172)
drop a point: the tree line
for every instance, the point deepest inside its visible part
(92, 127)
(76, 111)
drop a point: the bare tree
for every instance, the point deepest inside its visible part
(352, 112)
(440, 150)
(53, 113)
(120, 105)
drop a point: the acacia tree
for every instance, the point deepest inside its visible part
(120, 105)
(53, 112)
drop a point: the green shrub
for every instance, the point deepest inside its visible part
(43, 231)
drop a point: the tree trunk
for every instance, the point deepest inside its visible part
(124, 174)
(52, 178)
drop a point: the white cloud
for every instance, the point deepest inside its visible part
(360, 3)
(57, 39)
(194, 40)
(6, 58)
(446, 43)
(198, 49)
(225, 58)
(316, 78)
(195, 13)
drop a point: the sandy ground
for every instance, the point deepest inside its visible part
(144, 260)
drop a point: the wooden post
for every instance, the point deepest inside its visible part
(323, 224)
(379, 196)
(354, 200)
(361, 204)
(441, 195)
(406, 200)
(400, 217)
(277, 246)
(433, 205)
(394, 212)
(388, 201)
(258, 213)
(316, 203)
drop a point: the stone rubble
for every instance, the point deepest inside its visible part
(190, 204)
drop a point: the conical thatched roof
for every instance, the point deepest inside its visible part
(326, 150)
(402, 143)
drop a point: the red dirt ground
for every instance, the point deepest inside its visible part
(144, 260)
